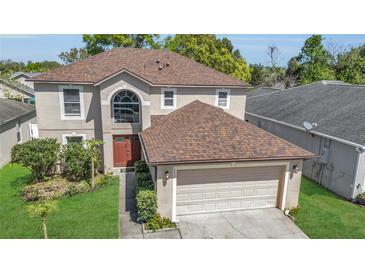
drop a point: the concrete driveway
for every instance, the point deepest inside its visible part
(248, 224)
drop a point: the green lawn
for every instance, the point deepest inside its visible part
(324, 215)
(86, 216)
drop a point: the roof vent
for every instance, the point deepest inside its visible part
(160, 67)
(167, 64)
(158, 61)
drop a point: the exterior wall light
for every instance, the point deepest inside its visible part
(167, 175)
(295, 168)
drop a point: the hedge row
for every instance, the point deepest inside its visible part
(146, 195)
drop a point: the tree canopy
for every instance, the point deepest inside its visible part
(211, 51)
(350, 66)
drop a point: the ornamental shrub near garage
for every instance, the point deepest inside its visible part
(146, 205)
(143, 177)
(39, 155)
(76, 162)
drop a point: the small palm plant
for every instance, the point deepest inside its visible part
(93, 149)
(42, 210)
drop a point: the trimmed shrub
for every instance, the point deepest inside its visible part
(39, 155)
(141, 167)
(146, 205)
(143, 177)
(157, 222)
(76, 162)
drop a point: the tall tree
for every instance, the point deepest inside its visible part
(73, 55)
(315, 61)
(350, 66)
(96, 43)
(211, 51)
(41, 66)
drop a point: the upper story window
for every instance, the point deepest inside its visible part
(126, 107)
(18, 130)
(168, 98)
(71, 99)
(222, 98)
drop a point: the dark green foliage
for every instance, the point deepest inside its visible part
(76, 162)
(146, 205)
(211, 51)
(39, 155)
(350, 66)
(143, 176)
(157, 222)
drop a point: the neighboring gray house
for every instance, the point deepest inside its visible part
(185, 119)
(17, 125)
(338, 109)
(22, 77)
(15, 89)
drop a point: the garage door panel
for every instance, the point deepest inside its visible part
(226, 189)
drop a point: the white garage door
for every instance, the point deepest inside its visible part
(224, 189)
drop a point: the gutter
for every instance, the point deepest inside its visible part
(232, 160)
(17, 117)
(362, 147)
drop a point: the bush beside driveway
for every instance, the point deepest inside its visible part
(324, 215)
(89, 215)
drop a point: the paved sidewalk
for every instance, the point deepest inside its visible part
(130, 228)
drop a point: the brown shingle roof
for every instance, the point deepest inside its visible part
(199, 132)
(171, 69)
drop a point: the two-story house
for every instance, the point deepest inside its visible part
(185, 119)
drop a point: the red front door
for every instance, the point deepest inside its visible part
(126, 150)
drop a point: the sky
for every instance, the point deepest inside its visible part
(252, 47)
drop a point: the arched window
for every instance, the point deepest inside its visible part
(125, 107)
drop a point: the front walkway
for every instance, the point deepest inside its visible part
(130, 228)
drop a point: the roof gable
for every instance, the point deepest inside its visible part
(157, 67)
(199, 132)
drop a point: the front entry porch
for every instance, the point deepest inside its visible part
(126, 150)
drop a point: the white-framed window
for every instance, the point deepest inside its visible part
(18, 131)
(73, 138)
(168, 98)
(71, 102)
(222, 98)
(126, 107)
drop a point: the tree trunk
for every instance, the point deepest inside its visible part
(44, 227)
(92, 174)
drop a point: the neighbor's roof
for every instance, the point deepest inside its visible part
(259, 91)
(27, 74)
(10, 109)
(199, 132)
(338, 108)
(158, 67)
(13, 84)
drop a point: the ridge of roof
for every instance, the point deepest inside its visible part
(155, 66)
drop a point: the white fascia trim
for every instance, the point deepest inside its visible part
(62, 105)
(174, 90)
(219, 90)
(311, 132)
(73, 134)
(60, 83)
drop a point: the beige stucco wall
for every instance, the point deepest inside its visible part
(8, 135)
(164, 187)
(98, 121)
(185, 95)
